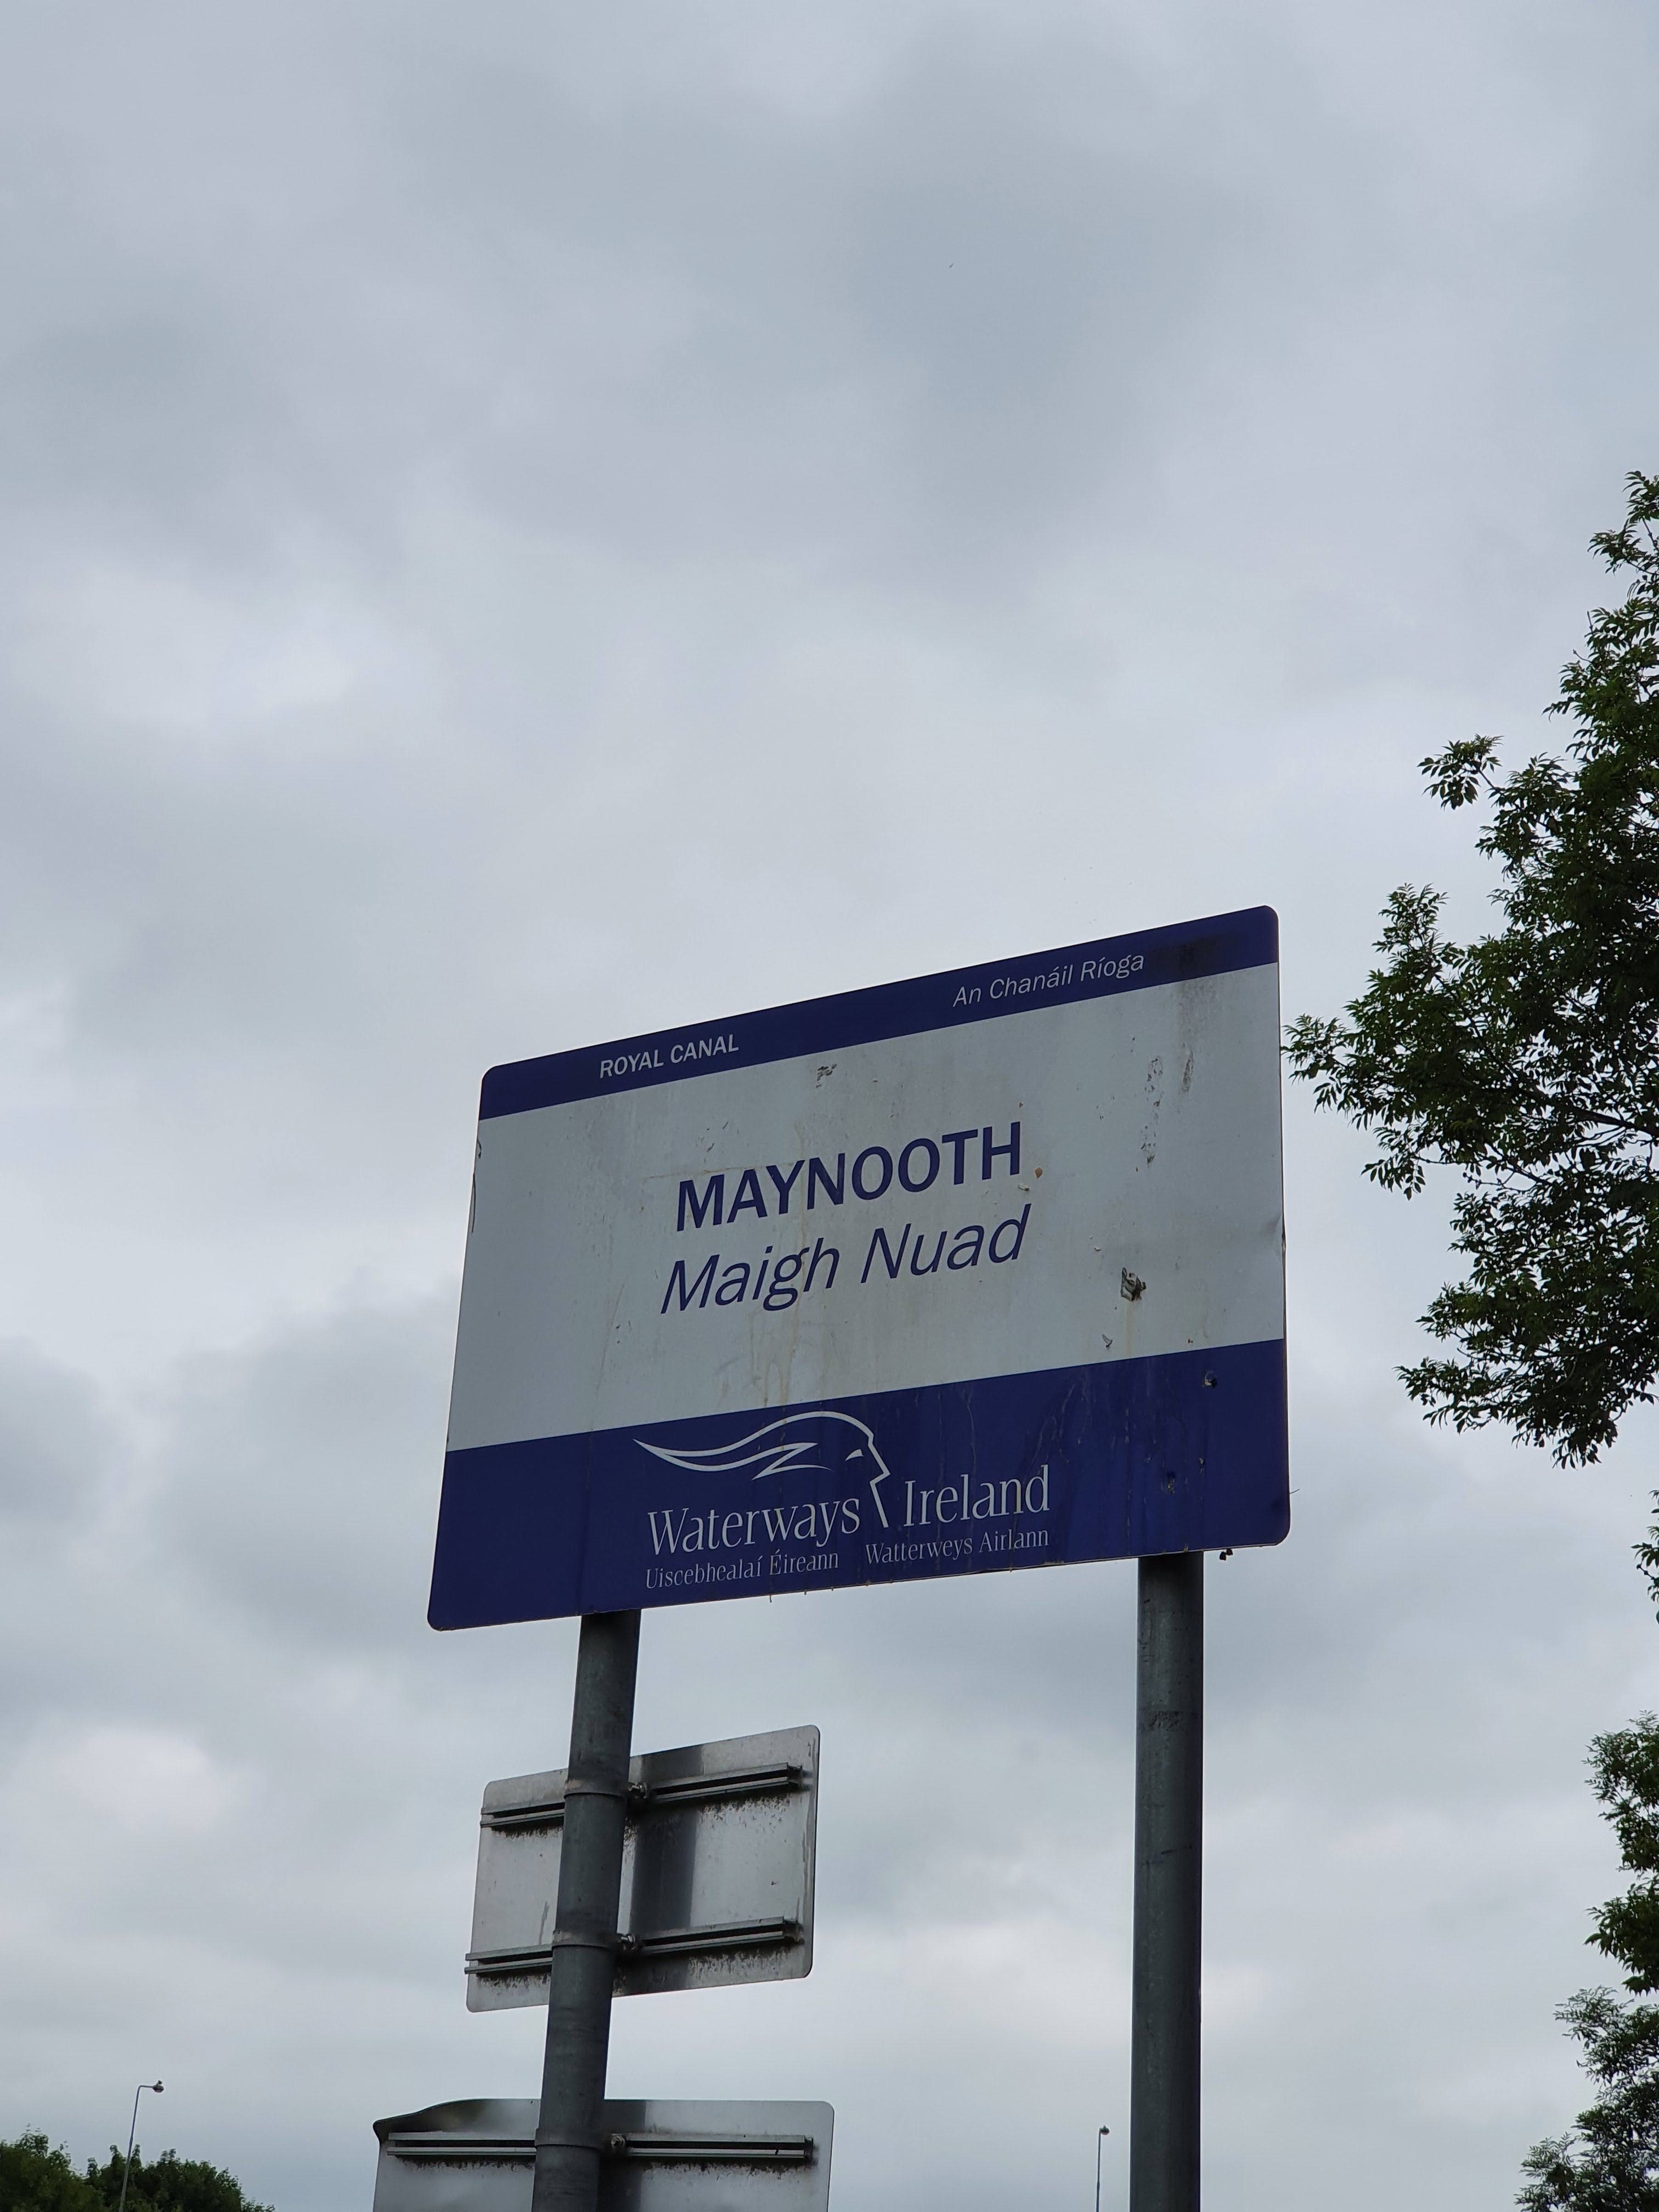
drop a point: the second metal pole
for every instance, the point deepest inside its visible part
(1163, 2065)
(585, 1927)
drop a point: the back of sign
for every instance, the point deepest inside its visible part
(717, 1872)
(477, 2155)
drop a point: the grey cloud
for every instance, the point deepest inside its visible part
(302, 1478)
(516, 531)
(56, 1446)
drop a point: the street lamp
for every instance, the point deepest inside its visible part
(1100, 2145)
(127, 2169)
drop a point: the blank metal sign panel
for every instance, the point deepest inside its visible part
(717, 1872)
(477, 2155)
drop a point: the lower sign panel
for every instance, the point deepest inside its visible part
(478, 2154)
(717, 1872)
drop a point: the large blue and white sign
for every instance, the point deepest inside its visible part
(980, 1271)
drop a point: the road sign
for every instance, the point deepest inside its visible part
(477, 2155)
(980, 1271)
(718, 1868)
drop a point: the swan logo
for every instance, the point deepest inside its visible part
(799, 1444)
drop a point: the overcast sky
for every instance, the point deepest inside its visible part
(524, 524)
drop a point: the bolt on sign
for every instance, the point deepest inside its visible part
(976, 1272)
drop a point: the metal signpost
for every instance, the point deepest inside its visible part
(1164, 2042)
(979, 1272)
(567, 2170)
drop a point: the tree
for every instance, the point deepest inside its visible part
(1609, 2160)
(1529, 1059)
(35, 2177)
(168, 2184)
(1624, 1776)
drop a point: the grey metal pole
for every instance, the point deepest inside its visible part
(1163, 2063)
(126, 2171)
(584, 1924)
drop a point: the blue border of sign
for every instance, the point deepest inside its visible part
(1181, 1451)
(1101, 969)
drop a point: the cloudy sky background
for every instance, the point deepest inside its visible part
(520, 525)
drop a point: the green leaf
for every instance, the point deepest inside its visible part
(1527, 1062)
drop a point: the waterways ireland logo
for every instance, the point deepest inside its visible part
(785, 1540)
(819, 1443)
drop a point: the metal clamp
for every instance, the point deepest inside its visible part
(667, 1942)
(712, 2150)
(727, 1936)
(445, 2145)
(641, 1797)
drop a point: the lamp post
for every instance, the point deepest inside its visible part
(1100, 2145)
(126, 2170)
